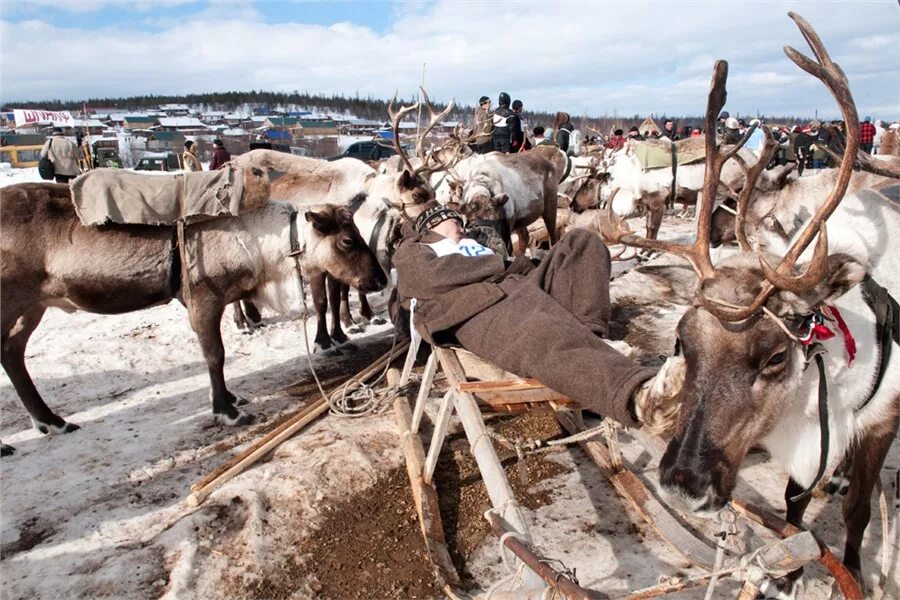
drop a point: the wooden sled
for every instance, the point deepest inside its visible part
(501, 391)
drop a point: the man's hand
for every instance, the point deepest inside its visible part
(657, 403)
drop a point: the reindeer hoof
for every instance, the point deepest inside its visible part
(334, 351)
(379, 321)
(240, 401)
(6, 450)
(239, 419)
(782, 588)
(837, 484)
(59, 426)
(355, 328)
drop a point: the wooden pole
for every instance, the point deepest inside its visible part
(424, 495)
(275, 437)
(499, 491)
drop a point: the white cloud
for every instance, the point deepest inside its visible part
(598, 58)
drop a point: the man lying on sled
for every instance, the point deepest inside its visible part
(545, 321)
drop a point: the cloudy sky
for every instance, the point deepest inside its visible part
(590, 58)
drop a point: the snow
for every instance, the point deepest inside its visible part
(102, 511)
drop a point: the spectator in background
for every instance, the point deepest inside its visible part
(85, 160)
(617, 140)
(866, 135)
(669, 131)
(189, 160)
(757, 139)
(635, 134)
(732, 132)
(696, 132)
(518, 142)
(539, 139)
(720, 125)
(803, 148)
(220, 155)
(483, 127)
(63, 154)
(502, 118)
(563, 128)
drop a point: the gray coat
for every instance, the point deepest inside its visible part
(63, 154)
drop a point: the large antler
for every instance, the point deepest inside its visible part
(427, 163)
(396, 118)
(781, 277)
(864, 161)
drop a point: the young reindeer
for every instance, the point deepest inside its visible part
(752, 377)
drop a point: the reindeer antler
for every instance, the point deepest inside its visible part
(781, 277)
(864, 161)
(396, 118)
(753, 173)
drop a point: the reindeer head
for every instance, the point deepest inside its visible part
(743, 368)
(412, 188)
(342, 250)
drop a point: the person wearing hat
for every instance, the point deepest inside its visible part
(518, 141)
(866, 135)
(546, 320)
(503, 120)
(63, 154)
(220, 155)
(634, 134)
(189, 160)
(483, 127)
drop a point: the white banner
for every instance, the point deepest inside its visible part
(62, 118)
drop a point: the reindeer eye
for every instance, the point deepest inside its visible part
(776, 359)
(347, 242)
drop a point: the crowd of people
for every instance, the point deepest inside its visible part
(505, 129)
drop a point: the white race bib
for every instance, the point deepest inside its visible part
(466, 247)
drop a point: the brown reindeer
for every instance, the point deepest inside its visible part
(50, 260)
(750, 380)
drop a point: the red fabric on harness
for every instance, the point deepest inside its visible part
(820, 331)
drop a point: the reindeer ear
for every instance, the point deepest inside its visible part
(343, 215)
(782, 178)
(499, 200)
(405, 180)
(321, 222)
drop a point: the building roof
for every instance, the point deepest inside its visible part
(181, 122)
(174, 107)
(363, 122)
(168, 136)
(136, 119)
(274, 134)
(88, 123)
(283, 121)
(235, 132)
(318, 124)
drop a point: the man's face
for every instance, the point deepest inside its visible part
(669, 125)
(486, 105)
(450, 229)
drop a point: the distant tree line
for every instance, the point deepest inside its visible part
(363, 108)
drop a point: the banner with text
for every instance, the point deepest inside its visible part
(60, 118)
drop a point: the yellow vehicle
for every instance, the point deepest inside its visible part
(21, 157)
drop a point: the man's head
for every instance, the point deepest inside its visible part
(188, 145)
(633, 131)
(539, 131)
(723, 115)
(617, 132)
(669, 125)
(867, 120)
(218, 143)
(442, 220)
(484, 102)
(517, 106)
(57, 131)
(504, 99)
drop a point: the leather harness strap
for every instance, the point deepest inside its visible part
(671, 199)
(815, 351)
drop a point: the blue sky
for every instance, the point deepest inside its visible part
(583, 57)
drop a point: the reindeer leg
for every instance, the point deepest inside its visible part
(521, 241)
(346, 317)
(868, 458)
(16, 331)
(206, 316)
(334, 303)
(253, 315)
(365, 310)
(240, 319)
(320, 302)
(550, 221)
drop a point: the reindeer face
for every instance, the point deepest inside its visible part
(411, 192)
(342, 251)
(741, 379)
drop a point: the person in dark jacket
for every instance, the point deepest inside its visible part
(220, 155)
(503, 116)
(563, 128)
(670, 131)
(802, 149)
(518, 141)
(635, 134)
(545, 321)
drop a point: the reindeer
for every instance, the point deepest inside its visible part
(50, 260)
(749, 377)
(509, 191)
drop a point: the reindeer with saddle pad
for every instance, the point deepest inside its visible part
(127, 255)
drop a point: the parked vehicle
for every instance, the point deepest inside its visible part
(105, 155)
(21, 157)
(158, 161)
(368, 150)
